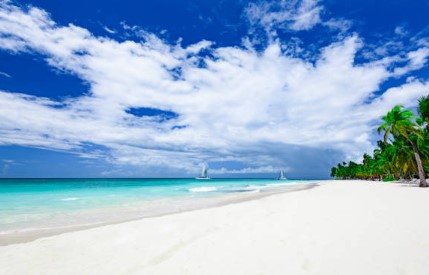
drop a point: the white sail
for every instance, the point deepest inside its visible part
(282, 175)
(204, 174)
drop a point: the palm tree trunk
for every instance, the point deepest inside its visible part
(419, 166)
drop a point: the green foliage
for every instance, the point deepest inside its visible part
(398, 122)
(423, 109)
(389, 178)
(405, 136)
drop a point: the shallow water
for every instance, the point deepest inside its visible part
(43, 204)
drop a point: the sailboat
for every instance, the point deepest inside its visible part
(282, 175)
(203, 175)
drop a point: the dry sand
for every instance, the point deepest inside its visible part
(341, 227)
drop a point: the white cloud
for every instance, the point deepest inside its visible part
(109, 30)
(5, 74)
(406, 95)
(242, 105)
(306, 16)
(401, 31)
(296, 15)
(342, 25)
(415, 60)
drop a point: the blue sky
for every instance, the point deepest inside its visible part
(156, 88)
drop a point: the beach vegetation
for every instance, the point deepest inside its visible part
(403, 153)
(389, 178)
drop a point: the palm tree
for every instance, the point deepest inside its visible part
(423, 110)
(384, 160)
(367, 166)
(404, 162)
(399, 122)
(333, 171)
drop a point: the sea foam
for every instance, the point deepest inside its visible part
(70, 199)
(203, 189)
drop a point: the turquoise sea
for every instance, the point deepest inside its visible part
(42, 204)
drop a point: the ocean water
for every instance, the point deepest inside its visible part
(42, 204)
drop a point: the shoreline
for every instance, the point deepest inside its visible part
(341, 227)
(29, 235)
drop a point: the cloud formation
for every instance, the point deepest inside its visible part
(232, 103)
(5, 74)
(296, 15)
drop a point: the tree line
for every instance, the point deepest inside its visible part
(402, 154)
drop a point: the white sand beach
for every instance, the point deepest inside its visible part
(340, 227)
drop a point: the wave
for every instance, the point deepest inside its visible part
(70, 199)
(238, 189)
(203, 189)
(248, 188)
(289, 183)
